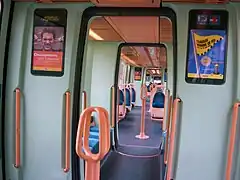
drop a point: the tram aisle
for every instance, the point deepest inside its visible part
(142, 160)
(119, 167)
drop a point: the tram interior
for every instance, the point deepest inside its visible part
(143, 64)
(120, 102)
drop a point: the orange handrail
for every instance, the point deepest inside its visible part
(168, 129)
(84, 96)
(142, 134)
(113, 106)
(232, 141)
(92, 170)
(68, 129)
(172, 138)
(17, 127)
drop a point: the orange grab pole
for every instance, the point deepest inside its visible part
(92, 170)
(142, 134)
(113, 106)
(17, 127)
(172, 138)
(67, 136)
(168, 129)
(232, 141)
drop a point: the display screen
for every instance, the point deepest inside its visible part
(207, 47)
(138, 74)
(49, 36)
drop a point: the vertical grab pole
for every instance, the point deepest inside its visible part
(112, 106)
(166, 102)
(168, 129)
(17, 128)
(67, 131)
(232, 141)
(142, 134)
(172, 138)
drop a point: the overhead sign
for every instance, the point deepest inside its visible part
(138, 74)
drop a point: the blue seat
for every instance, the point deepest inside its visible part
(93, 145)
(94, 129)
(158, 100)
(94, 134)
(128, 97)
(121, 97)
(133, 95)
(148, 88)
(94, 139)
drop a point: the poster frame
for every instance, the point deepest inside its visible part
(50, 12)
(224, 26)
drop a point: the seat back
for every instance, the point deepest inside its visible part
(158, 100)
(133, 95)
(121, 97)
(128, 97)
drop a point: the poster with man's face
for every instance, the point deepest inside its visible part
(49, 42)
(48, 38)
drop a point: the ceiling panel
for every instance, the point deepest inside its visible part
(51, 1)
(136, 29)
(127, 3)
(132, 3)
(103, 29)
(130, 29)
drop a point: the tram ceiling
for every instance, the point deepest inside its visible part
(131, 29)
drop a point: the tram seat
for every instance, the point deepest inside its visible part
(128, 99)
(149, 90)
(94, 139)
(157, 109)
(121, 109)
(133, 96)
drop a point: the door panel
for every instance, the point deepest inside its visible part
(42, 99)
(4, 19)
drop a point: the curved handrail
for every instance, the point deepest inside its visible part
(92, 170)
(232, 141)
(172, 138)
(67, 131)
(84, 96)
(17, 127)
(168, 129)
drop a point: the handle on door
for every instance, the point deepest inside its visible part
(168, 128)
(84, 97)
(232, 141)
(17, 127)
(172, 137)
(67, 131)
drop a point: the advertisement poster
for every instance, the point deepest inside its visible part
(206, 54)
(138, 74)
(49, 33)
